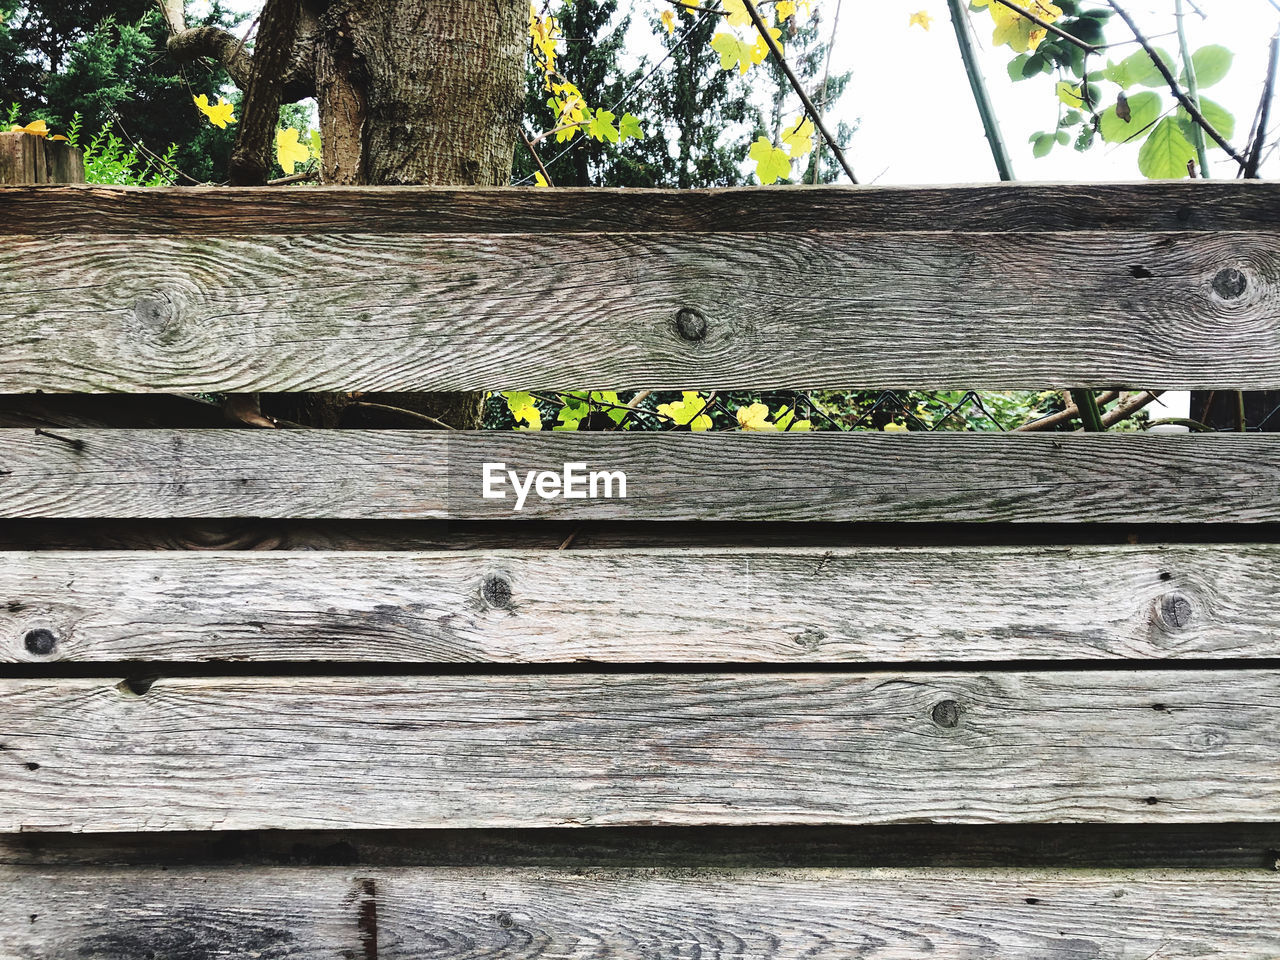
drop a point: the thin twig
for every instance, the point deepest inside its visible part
(826, 79)
(1046, 25)
(1264, 110)
(536, 159)
(302, 177)
(1192, 110)
(1193, 91)
(402, 412)
(818, 122)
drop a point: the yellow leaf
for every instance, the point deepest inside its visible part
(219, 114)
(786, 10)
(58, 136)
(771, 163)
(668, 18)
(36, 128)
(733, 52)
(540, 180)
(920, 18)
(290, 150)
(737, 11)
(797, 137)
(755, 417)
(761, 49)
(895, 428)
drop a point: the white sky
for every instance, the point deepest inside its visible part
(917, 120)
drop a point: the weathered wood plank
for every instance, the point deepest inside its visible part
(813, 303)
(987, 208)
(302, 913)
(632, 749)
(390, 474)
(771, 605)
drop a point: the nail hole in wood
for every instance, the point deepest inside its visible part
(135, 686)
(1140, 273)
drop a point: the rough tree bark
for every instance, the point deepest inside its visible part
(409, 91)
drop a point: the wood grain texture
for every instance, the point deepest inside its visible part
(301, 913)
(788, 302)
(1016, 208)
(770, 605)
(823, 476)
(633, 749)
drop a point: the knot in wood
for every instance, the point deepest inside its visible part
(946, 714)
(496, 591)
(1175, 610)
(691, 324)
(40, 642)
(1229, 283)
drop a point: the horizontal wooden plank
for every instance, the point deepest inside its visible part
(305, 913)
(1131, 846)
(751, 297)
(772, 605)
(633, 749)
(390, 474)
(1183, 206)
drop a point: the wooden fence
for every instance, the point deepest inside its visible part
(309, 693)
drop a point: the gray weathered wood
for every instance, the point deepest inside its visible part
(302, 913)
(791, 299)
(645, 605)
(389, 474)
(998, 208)
(633, 749)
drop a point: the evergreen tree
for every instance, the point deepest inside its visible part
(105, 60)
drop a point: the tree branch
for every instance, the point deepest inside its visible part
(1046, 25)
(1192, 110)
(216, 44)
(260, 110)
(1264, 111)
(814, 115)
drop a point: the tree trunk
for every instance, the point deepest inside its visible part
(416, 91)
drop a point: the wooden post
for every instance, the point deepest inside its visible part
(26, 159)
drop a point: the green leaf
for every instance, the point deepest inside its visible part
(1063, 137)
(1086, 29)
(1069, 94)
(1137, 69)
(1211, 63)
(629, 126)
(1041, 144)
(1035, 65)
(601, 127)
(1015, 67)
(1219, 117)
(1144, 109)
(1166, 153)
